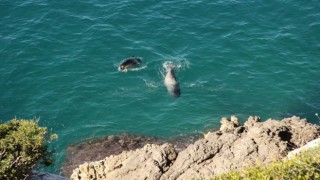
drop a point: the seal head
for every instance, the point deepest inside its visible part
(129, 63)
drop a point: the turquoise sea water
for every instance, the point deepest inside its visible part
(59, 62)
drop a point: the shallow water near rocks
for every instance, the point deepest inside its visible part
(59, 63)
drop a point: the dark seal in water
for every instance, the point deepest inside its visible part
(129, 63)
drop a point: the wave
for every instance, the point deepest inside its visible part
(179, 64)
(196, 84)
(138, 68)
(151, 84)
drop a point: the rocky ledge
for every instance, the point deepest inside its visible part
(97, 149)
(232, 147)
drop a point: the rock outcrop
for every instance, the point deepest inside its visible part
(232, 147)
(150, 162)
(97, 149)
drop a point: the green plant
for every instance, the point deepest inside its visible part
(304, 166)
(22, 144)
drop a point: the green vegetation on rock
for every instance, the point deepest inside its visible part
(22, 145)
(303, 166)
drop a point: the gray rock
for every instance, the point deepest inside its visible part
(232, 148)
(44, 176)
(147, 163)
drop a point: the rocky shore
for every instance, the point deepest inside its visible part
(97, 149)
(232, 147)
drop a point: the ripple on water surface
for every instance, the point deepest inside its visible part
(60, 63)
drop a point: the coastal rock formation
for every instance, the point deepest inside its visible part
(147, 163)
(232, 147)
(97, 149)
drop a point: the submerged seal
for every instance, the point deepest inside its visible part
(129, 63)
(171, 82)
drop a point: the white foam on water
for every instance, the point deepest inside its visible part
(196, 84)
(179, 64)
(138, 68)
(151, 84)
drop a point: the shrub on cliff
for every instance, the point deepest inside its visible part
(22, 144)
(303, 166)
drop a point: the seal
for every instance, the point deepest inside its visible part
(171, 83)
(129, 63)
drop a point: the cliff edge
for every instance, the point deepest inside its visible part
(232, 147)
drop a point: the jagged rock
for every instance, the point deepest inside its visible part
(146, 163)
(229, 125)
(302, 131)
(235, 121)
(258, 142)
(231, 148)
(251, 121)
(97, 149)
